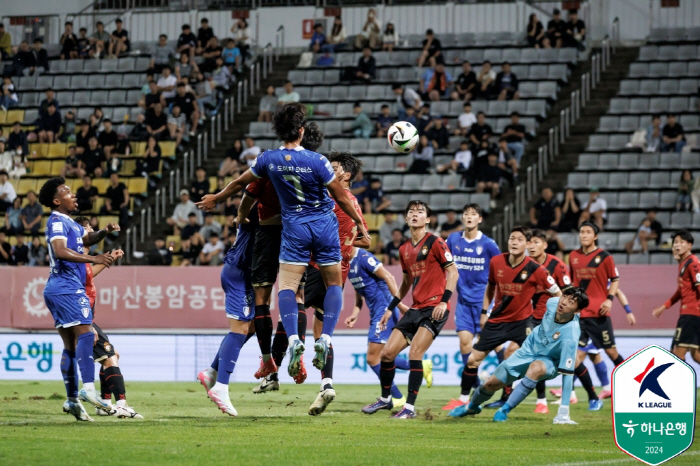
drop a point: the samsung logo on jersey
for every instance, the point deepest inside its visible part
(294, 169)
(470, 260)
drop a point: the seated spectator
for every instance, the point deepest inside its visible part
(161, 55)
(451, 225)
(37, 253)
(72, 167)
(31, 214)
(595, 209)
(150, 162)
(82, 138)
(92, 161)
(250, 153)
(190, 232)
(189, 252)
(154, 95)
(391, 222)
(17, 140)
(535, 33)
(359, 187)
(406, 98)
(5, 250)
(210, 54)
(488, 177)
(685, 186)
(465, 84)
(213, 252)
(96, 120)
(465, 120)
(221, 75)
(232, 58)
(425, 120)
(384, 122)
(188, 105)
(230, 163)
(99, 41)
(391, 250)
(204, 34)
(41, 58)
(13, 216)
(83, 43)
(366, 66)
(575, 31)
(369, 37)
(69, 128)
(87, 194)
(485, 82)
(243, 37)
(438, 134)
(411, 117)
(432, 48)
(461, 164)
(545, 214)
(570, 212)
(117, 200)
(6, 157)
(182, 210)
(375, 201)
(390, 38)
(336, 40)
(654, 133)
(20, 253)
(555, 246)
(119, 41)
(480, 133)
(506, 84)
(140, 132)
(160, 255)
(177, 125)
(23, 61)
(290, 95)
(200, 186)
(5, 43)
(656, 228)
(556, 30)
(514, 134)
(362, 125)
(9, 98)
(422, 157)
(187, 41)
(166, 86)
(50, 99)
(187, 68)
(157, 122)
(436, 83)
(108, 138)
(639, 242)
(507, 160)
(673, 136)
(268, 104)
(211, 227)
(318, 38)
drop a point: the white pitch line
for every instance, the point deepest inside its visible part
(624, 460)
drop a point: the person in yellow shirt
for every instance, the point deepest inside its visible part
(5, 43)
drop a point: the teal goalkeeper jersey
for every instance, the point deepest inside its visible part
(557, 342)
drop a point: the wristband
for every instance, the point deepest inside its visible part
(446, 296)
(611, 297)
(484, 311)
(394, 302)
(628, 309)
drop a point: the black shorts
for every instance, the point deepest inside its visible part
(266, 255)
(536, 322)
(414, 319)
(314, 291)
(599, 330)
(494, 335)
(687, 332)
(103, 349)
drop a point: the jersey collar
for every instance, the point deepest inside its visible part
(61, 215)
(479, 234)
(357, 252)
(298, 148)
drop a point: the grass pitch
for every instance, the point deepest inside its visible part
(182, 426)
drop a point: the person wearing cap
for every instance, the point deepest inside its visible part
(182, 211)
(5, 43)
(436, 82)
(575, 31)
(98, 41)
(431, 48)
(595, 209)
(556, 30)
(69, 42)
(119, 41)
(204, 35)
(7, 192)
(187, 42)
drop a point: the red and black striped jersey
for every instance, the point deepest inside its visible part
(592, 272)
(424, 262)
(558, 270)
(688, 292)
(269, 210)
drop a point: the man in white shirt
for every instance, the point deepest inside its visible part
(465, 120)
(391, 223)
(595, 209)
(166, 85)
(182, 212)
(7, 192)
(249, 155)
(212, 252)
(485, 79)
(289, 94)
(406, 97)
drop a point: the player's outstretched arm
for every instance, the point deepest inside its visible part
(488, 297)
(62, 252)
(247, 203)
(607, 304)
(209, 201)
(97, 268)
(95, 237)
(562, 416)
(671, 301)
(341, 198)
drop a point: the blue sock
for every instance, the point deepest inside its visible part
(228, 355)
(395, 392)
(524, 388)
(289, 312)
(332, 305)
(83, 352)
(69, 374)
(501, 355)
(215, 362)
(480, 396)
(465, 358)
(401, 363)
(602, 370)
(375, 368)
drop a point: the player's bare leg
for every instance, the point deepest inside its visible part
(392, 348)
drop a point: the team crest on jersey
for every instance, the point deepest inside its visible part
(597, 259)
(479, 250)
(108, 347)
(271, 167)
(575, 260)
(556, 335)
(523, 275)
(287, 157)
(424, 251)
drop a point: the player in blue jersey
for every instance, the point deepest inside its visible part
(303, 180)
(240, 310)
(472, 252)
(64, 292)
(548, 351)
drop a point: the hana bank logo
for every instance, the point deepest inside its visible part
(649, 382)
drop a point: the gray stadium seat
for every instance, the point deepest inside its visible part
(458, 200)
(638, 180)
(547, 89)
(84, 113)
(648, 87)
(96, 81)
(615, 180)
(689, 160)
(132, 96)
(659, 179)
(608, 124)
(411, 182)
(627, 200)
(598, 142)
(391, 182)
(629, 87)
(688, 86)
(492, 55)
(258, 129)
(399, 202)
(91, 66)
(558, 72)
(661, 259)
(567, 55)
(648, 199)
(587, 162)
(31, 115)
(132, 80)
(119, 112)
(628, 124)
(681, 220)
(344, 110)
(669, 160)
(668, 86)
(482, 199)
(648, 53)
(608, 162)
(539, 72)
(330, 76)
(408, 75)
(570, 241)
(75, 66)
(598, 179)
(639, 70)
(617, 220)
(359, 146)
(109, 66)
(43, 82)
(537, 107)
(114, 81)
(658, 69)
(638, 259)
(667, 199)
(384, 164)
(118, 97)
(693, 69)
(675, 69)
(376, 92)
(78, 82)
(658, 105)
(628, 160)
(357, 92)
(577, 180)
(620, 258)
(678, 104)
(638, 105)
(618, 105)
(81, 98)
(320, 93)
(126, 64)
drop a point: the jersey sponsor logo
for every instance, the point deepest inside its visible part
(550, 280)
(479, 250)
(33, 298)
(57, 227)
(575, 261)
(569, 362)
(271, 167)
(84, 301)
(108, 347)
(86, 312)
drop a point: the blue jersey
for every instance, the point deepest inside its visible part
(300, 178)
(472, 259)
(557, 342)
(375, 290)
(241, 253)
(64, 277)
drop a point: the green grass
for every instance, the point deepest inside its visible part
(182, 426)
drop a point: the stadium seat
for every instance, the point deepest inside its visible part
(138, 185)
(57, 149)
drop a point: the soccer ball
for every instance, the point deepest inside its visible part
(402, 136)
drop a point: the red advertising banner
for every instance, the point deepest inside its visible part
(191, 297)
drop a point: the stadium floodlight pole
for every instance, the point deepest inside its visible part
(143, 222)
(148, 217)
(157, 204)
(172, 184)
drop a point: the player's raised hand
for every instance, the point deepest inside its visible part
(385, 320)
(112, 227)
(104, 259)
(362, 231)
(605, 307)
(658, 311)
(439, 311)
(208, 202)
(117, 254)
(631, 319)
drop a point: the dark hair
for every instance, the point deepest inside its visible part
(384, 106)
(556, 11)
(684, 235)
(537, 233)
(38, 39)
(288, 121)
(512, 114)
(387, 31)
(82, 29)
(82, 221)
(485, 62)
(48, 191)
(213, 235)
(181, 84)
(595, 228)
(395, 230)
(99, 23)
(118, 20)
(337, 27)
(532, 16)
(429, 32)
(467, 103)
(318, 25)
(357, 104)
(162, 35)
(669, 115)
(655, 116)
(4, 172)
(313, 137)
(204, 20)
(417, 203)
(185, 26)
(480, 113)
(652, 209)
(67, 23)
(192, 214)
(346, 160)
(579, 295)
(475, 207)
(467, 62)
(396, 86)
(573, 11)
(288, 82)
(524, 230)
(684, 172)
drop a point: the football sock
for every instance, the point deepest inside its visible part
(326, 383)
(619, 360)
(83, 353)
(327, 372)
(501, 355)
(70, 376)
(104, 393)
(541, 395)
(279, 344)
(230, 349)
(332, 305)
(114, 380)
(469, 376)
(250, 335)
(402, 363)
(507, 390)
(301, 321)
(585, 378)
(519, 393)
(395, 392)
(465, 358)
(215, 362)
(415, 378)
(602, 371)
(409, 407)
(289, 312)
(481, 395)
(263, 328)
(386, 377)
(465, 390)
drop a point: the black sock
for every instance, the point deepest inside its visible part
(415, 378)
(507, 390)
(619, 360)
(501, 355)
(250, 335)
(279, 344)
(541, 385)
(302, 322)
(386, 377)
(263, 328)
(115, 382)
(327, 372)
(104, 393)
(469, 376)
(585, 378)
(465, 389)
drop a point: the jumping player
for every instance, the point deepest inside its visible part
(591, 269)
(472, 252)
(514, 278)
(64, 292)
(687, 336)
(428, 269)
(548, 351)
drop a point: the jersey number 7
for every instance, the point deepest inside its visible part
(297, 185)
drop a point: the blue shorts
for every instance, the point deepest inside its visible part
(468, 317)
(376, 335)
(69, 310)
(240, 301)
(515, 367)
(319, 237)
(590, 348)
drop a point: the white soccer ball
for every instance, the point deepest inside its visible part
(403, 136)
